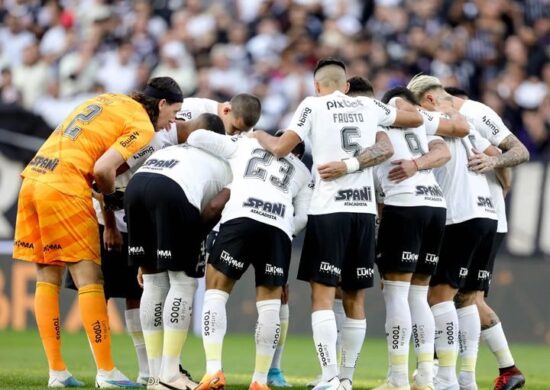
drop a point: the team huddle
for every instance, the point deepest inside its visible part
(186, 188)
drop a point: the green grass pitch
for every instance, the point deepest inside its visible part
(23, 364)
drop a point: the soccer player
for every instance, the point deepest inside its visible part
(163, 202)
(409, 238)
(119, 278)
(339, 242)
(267, 206)
(56, 224)
(467, 244)
(490, 125)
(239, 114)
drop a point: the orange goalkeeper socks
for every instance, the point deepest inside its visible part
(93, 311)
(46, 308)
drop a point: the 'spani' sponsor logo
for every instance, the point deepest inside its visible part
(354, 194)
(265, 208)
(429, 190)
(46, 163)
(156, 163)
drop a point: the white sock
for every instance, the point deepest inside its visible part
(176, 319)
(155, 288)
(353, 335)
(268, 330)
(214, 326)
(340, 316)
(446, 339)
(284, 315)
(133, 326)
(496, 340)
(423, 333)
(469, 334)
(323, 324)
(398, 330)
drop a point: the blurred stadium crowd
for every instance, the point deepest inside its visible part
(54, 54)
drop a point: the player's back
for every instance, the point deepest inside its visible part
(66, 160)
(467, 193)
(264, 186)
(200, 174)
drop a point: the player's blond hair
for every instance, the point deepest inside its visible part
(421, 83)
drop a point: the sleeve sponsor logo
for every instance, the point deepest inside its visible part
(184, 115)
(382, 106)
(303, 117)
(129, 140)
(146, 151)
(491, 125)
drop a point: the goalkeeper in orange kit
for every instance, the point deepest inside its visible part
(56, 223)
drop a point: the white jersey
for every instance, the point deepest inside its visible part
(274, 191)
(160, 140)
(421, 189)
(490, 126)
(193, 107)
(339, 127)
(200, 175)
(467, 193)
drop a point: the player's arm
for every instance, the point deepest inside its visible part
(455, 125)
(213, 210)
(301, 205)
(112, 238)
(105, 170)
(278, 146)
(513, 153)
(406, 115)
(217, 144)
(437, 156)
(503, 174)
(368, 157)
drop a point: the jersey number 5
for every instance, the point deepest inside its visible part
(256, 169)
(73, 128)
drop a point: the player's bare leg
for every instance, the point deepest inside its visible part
(93, 311)
(46, 305)
(510, 377)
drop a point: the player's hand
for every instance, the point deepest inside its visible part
(403, 170)
(114, 201)
(140, 277)
(481, 163)
(332, 170)
(112, 239)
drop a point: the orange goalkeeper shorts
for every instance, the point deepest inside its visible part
(54, 228)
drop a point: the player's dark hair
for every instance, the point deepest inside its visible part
(401, 92)
(156, 89)
(299, 150)
(360, 86)
(212, 122)
(455, 91)
(247, 107)
(328, 61)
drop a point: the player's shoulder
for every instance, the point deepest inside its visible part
(474, 107)
(299, 165)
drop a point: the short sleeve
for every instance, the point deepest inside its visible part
(478, 141)
(489, 124)
(137, 133)
(431, 121)
(302, 120)
(217, 144)
(384, 113)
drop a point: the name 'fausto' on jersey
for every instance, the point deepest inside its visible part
(338, 127)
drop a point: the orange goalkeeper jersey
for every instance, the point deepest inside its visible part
(66, 160)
